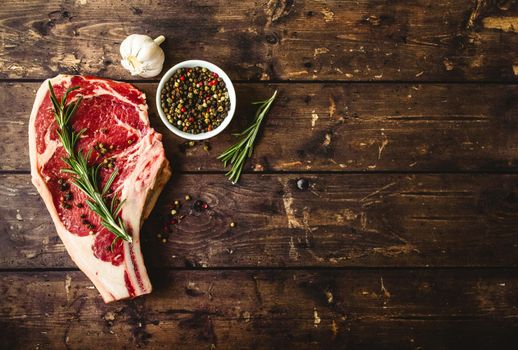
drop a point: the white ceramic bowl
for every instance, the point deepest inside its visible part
(231, 95)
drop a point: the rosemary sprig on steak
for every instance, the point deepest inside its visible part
(85, 176)
(237, 154)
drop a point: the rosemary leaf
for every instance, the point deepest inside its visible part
(86, 177)
(237, 154)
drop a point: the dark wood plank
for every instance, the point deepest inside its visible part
(256, 309)
(338, 127)
(339, 40)
(340, 220)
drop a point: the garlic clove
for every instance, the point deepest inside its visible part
(147, 73)
(132, 64)
(127, 45)
(142, 55)
(149, 51)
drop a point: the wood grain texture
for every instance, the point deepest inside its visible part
(401, 117)
(334, 127)
(424, 40)
(396, 309)
(340, 220)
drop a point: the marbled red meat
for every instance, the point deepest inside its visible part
(114, 114)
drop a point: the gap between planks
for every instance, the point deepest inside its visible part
(345, 82)
(321, 172)
(287, 268)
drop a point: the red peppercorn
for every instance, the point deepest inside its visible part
(191, 120)
(205, 206)
(215, 75)
(200, 84)
(183, 110)
(174, 221)
(182, 78)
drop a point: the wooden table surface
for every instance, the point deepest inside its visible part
(402, 117)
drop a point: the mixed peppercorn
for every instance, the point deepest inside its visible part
(195, 100)
(67, 195)
(66, 201)
(102, 150)
(175, 215)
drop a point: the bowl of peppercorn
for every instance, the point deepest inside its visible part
(196, 100)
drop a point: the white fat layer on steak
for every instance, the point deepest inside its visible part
(135, 189)
(139, 189)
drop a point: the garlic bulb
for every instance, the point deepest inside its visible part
(142, 55)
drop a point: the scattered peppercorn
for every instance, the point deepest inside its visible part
(68, 196)
(83, 216)
(232, 224)
(173, 212)
(80, 205)
(108, 163)
(63, 186)
(177, 203)
(101, 149)
(195, 100)
(199, 205)
(67, 206)
(302, 184)
(187, 197)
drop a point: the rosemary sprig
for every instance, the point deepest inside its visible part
(237, 154)
(86, 177)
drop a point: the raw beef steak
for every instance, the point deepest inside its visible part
(114, 115)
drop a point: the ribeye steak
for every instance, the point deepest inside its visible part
(114, 115)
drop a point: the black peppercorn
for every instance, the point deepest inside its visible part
(302, 184)
(198, 205)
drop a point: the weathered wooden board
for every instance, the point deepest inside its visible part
(255, 309)
(337, 127)
(339, 264)
(424, 40)
(340, 220)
